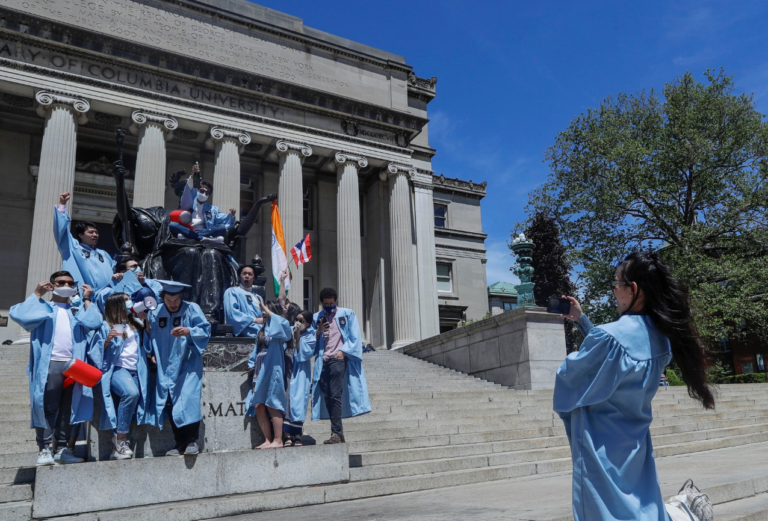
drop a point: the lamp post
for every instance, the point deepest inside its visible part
(523, 248)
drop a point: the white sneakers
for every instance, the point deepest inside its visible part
(214, 239)
(45, 458)
(121, 449)
(66, 456)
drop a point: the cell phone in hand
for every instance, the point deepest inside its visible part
(559, 306)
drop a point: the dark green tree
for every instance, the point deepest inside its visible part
(552, 273)
(686, 174)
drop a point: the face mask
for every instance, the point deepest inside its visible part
(65, 291)
(128, 305)
(329, 309)
(202, 197)
(300, 326)
(136, 271)
(76, 301)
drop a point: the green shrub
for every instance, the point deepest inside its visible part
(754, 378)
(673, 378)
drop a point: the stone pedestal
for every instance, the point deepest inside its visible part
(520, 349)
(153, 130)
(228, 144)
(348, 232)
(62, 113)
(290, 199)
(404, 301)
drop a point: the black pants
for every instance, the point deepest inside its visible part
(331, 386)
(185, 434)
(57, 404)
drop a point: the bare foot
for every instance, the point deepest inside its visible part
(277, 444)
(264, 445)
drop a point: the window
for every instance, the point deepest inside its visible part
(441, 215)
(307, 293)
(444, 279)
(747, 368)
(508, 306)
(724, 343)
(760, 363)
(741, 331)
(308, 210)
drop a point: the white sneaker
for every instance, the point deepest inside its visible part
(45, 457)
(66, 456)
(121, 449)
(180, 236)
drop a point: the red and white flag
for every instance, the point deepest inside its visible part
(301, 252)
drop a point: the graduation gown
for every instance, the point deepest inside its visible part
(269, 387)
(128, 285)
(301, 379)
(109, 358)
(240, 308)
(87, 265)
(355, 399)
(179, 362)
(603, 393)
(214, 218)
(38, 317)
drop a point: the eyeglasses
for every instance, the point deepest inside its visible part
(204, 191)
(70, 283)
(301, 321)
(616, 283)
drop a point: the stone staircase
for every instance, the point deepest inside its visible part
(430, 428)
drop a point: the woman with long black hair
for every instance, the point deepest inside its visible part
(603, 392)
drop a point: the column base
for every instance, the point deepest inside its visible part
(401, 344)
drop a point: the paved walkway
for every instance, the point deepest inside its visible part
(536, 498)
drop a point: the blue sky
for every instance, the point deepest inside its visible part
(511, 74)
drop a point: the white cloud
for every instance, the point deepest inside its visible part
(499, 261)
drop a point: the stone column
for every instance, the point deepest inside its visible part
(153, 131)
(348, 232)
(290, 199)
(62, 113)
(405, 310)
(228, 144)
(429, 316)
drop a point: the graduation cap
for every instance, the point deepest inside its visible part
(129, 284)
(171, 287)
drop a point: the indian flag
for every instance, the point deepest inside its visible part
(279, 258)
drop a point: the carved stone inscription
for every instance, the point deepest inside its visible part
(178, 31)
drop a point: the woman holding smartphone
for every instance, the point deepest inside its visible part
(603, 392)
(124, 384)
(268, 397)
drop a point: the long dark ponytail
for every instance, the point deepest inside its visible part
(666, 302)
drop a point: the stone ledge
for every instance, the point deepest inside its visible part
(108, 485)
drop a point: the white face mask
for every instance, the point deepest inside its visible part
(65, 291)
(202, 197)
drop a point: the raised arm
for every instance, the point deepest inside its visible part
(61, 222)
(247, 222)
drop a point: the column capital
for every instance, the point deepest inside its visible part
(222, 133)
(284, 146)
(142, 117)
(398, 169)
(343, 157)
(49, 98)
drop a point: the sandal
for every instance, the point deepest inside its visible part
(288, 443)
(297, 442)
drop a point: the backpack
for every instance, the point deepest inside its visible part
(690, 504)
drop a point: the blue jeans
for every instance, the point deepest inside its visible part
(125, 385)
(177, 229)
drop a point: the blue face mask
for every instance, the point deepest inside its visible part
(128, 305)
(75, 301)
(136, 271)
(329, 309)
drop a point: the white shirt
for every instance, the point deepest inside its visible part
(129, 356)
(198, 216)
(62, 338)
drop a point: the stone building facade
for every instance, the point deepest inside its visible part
(266, 105)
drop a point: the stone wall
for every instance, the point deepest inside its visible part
(521, 349)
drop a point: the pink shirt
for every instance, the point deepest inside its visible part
(333, 339)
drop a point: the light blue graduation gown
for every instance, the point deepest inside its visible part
(301, 378)
(87, 265)
(240, 308)
(214, 218)
(179, 362)
(269, 387)
(110, 357)
(355, 399)
(603, 393)
(38, 317)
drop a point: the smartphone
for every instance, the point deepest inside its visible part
(558, 305)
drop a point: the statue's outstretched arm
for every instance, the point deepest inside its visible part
(247, 222)
(123, 206)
